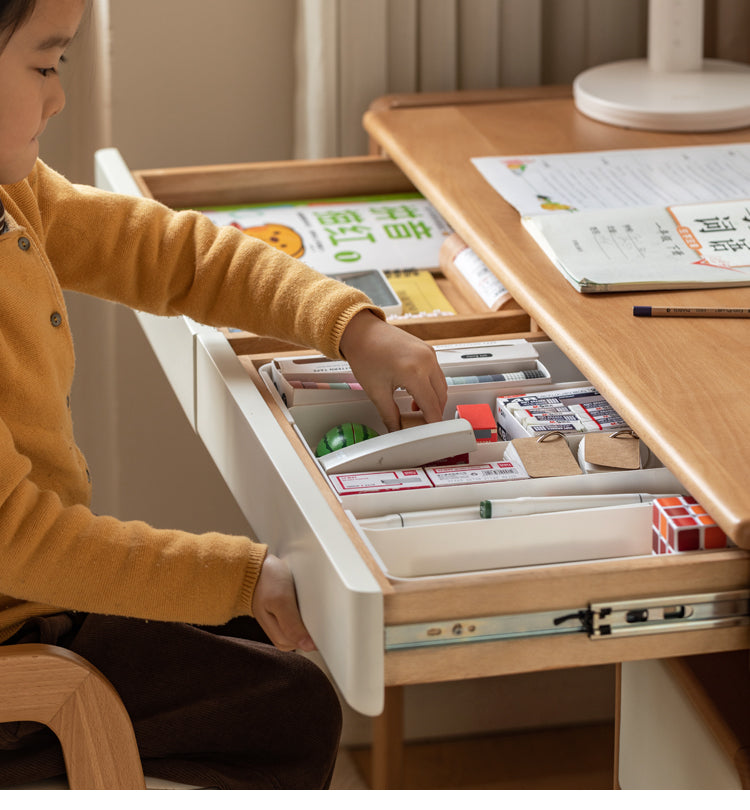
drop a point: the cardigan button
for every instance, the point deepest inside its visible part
(55, 319)
(24, 243)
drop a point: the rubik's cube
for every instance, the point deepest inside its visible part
(680, 523)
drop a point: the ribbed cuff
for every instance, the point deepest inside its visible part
(252, 573)
(343, 321)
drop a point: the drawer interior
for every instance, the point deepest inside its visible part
(450, 545)
(452, 538)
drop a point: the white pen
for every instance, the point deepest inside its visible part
(531, 506)
(509, 507)
(421, 517)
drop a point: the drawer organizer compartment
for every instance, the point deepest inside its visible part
(424, 518)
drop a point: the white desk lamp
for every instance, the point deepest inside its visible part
(675, 89)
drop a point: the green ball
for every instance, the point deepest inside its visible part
(342, 436)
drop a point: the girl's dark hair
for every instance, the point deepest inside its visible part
(13, 14)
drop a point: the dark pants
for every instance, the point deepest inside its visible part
(212, 707)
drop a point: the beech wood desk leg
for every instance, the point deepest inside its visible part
(616, 764)
(388, 742)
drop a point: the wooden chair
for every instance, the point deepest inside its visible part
(58, 688)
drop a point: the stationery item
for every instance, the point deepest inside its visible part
(472, 277)
(403, 449)
(680, 523)
(510, 376)
(344, 435)
(497, 508)
(573, 410)
(418, 292)
(481, 419)
(346, 234)
(568, 503)
(459, 474)
(380, 481)
(375, 286)
(691, 312)
(635, 219)
(605, 451)
(546, 456)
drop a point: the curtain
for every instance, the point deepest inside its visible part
(350, 52)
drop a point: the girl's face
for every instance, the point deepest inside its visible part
(30, 90)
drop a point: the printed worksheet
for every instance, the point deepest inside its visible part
(582, 181)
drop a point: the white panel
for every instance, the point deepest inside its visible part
(340, 600)
(438, 32)
(363, 67)
(402, 51)
(479, 44)
(664, 744)
(521, 43)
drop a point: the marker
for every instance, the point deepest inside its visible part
(691, 312)
(510, 507)
(532, 506)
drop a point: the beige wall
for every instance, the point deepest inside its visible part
(202, 82)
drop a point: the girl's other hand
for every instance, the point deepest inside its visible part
(275, 607)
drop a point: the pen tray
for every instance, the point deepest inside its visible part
(441, 548)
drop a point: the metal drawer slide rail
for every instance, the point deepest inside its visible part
(598, 621)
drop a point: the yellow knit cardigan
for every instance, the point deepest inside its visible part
(54, 553)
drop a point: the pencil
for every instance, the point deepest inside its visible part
(691, 312)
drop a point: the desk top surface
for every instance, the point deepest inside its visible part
(682, 384)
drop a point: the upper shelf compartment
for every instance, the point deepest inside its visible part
(340, 178)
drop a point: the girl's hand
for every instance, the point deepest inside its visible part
(275, 607)
(384, 358)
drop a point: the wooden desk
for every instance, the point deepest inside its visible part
(376, 631)
(682, 384)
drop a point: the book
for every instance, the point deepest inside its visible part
(472, 277)
(643, 219)
(419, 293)
(382, 232)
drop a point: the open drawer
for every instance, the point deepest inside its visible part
(378, 618)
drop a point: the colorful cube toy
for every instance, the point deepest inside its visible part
(680, 523)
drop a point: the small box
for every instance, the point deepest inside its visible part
(680, 523)
(482, 420)
(380, 481)
(492, 471)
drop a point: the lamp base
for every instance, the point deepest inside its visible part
(630, 94)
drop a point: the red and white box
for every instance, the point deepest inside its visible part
(680, 524)
(380, 481)
(492, 471)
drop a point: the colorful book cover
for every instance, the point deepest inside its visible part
(384, 232)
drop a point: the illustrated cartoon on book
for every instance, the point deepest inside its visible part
(383, 232)
(640, 219)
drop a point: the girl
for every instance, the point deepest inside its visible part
(165, 615)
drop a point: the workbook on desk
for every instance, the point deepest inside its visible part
(639, 219)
